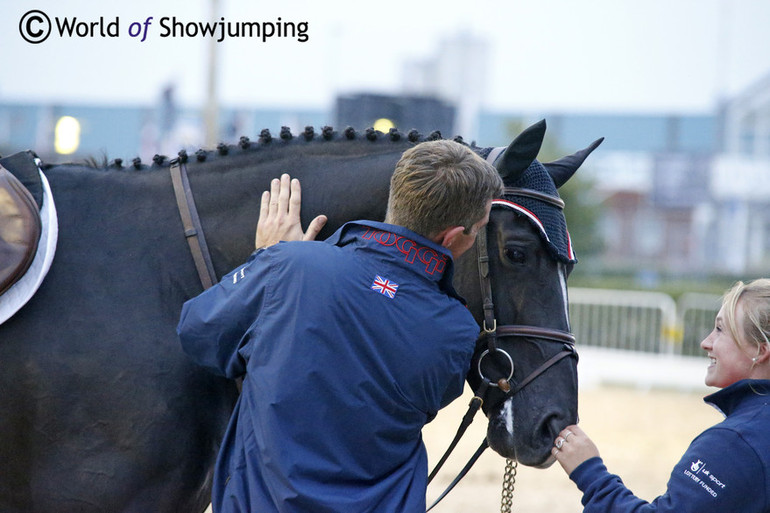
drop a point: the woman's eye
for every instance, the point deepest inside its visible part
(515, 255)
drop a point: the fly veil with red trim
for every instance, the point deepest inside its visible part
(526, 173)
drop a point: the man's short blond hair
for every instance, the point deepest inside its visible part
(441, 184)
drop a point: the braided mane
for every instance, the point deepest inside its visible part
(266, 139)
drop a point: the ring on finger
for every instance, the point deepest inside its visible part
(567, 435)
(559, 443)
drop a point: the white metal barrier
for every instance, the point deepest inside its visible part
(696, 315)
(649, 322)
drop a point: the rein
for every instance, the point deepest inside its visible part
(491, 331)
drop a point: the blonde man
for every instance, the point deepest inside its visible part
(346, 347)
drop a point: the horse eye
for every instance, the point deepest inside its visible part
(515, 255)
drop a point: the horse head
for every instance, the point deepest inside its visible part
(525, 360)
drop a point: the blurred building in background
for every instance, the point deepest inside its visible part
(680, 194)
(456, 73)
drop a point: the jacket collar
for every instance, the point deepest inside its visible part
(424, 256)
(739, 395)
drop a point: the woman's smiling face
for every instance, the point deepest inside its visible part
(730, 359)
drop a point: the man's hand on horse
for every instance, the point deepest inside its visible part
(279, 214)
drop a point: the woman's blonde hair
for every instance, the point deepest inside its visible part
(754, 328)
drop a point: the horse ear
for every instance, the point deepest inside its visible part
(562, 170)
(521, 152)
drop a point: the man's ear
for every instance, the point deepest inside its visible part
(447, 236)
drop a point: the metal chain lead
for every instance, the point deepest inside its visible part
(509, 481)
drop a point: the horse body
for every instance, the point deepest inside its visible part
(101, 410)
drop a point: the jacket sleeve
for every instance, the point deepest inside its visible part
(719, 472)
(215, 325)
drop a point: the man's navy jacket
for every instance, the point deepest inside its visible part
(347, 348)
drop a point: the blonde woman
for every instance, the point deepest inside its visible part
(727, 467)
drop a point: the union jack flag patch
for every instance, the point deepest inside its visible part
(384, 287)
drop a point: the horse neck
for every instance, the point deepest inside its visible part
(345, 180)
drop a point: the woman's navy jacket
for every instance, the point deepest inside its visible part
(347, 348)
(726, 469)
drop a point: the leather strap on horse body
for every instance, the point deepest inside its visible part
(192, 226)
(490, 323)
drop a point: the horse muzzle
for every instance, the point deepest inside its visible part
(531, 447)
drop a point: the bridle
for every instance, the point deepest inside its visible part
(490, 332)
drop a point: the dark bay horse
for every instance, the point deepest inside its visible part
(100, 410)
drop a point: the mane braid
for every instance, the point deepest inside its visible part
(92, 162)
(244, 144)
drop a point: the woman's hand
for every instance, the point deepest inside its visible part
(572, 447)
(279, 214)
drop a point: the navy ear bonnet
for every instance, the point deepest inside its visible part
(548, 219)
(530, 186)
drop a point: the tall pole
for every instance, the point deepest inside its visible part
(726, 130)
(211, 115)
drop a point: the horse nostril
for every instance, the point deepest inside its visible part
(552, 426)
